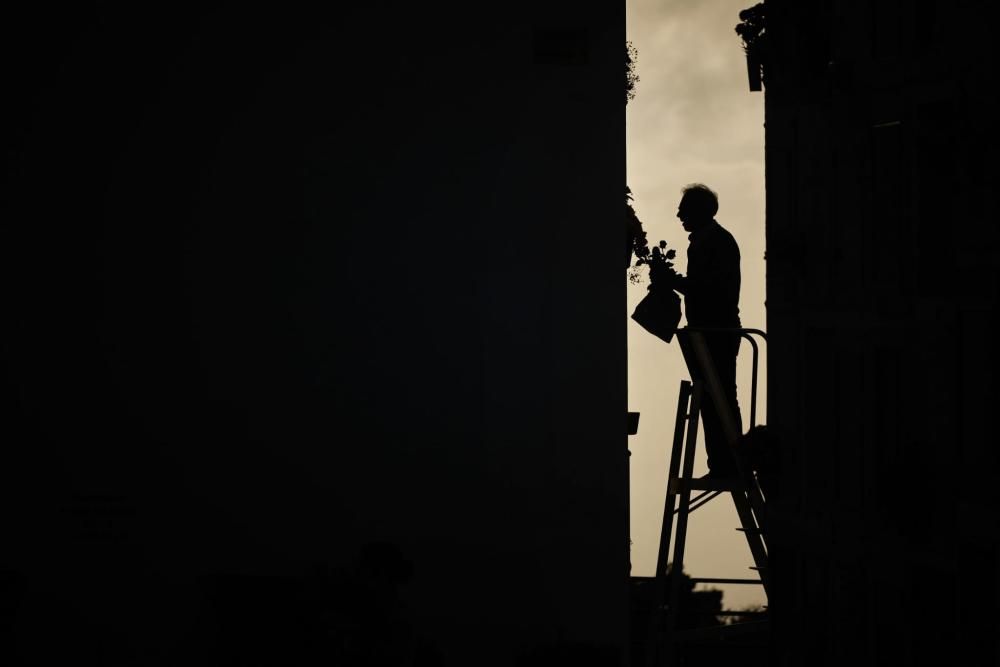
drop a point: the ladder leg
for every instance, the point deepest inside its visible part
(683, 404)
(680, 540)
(659, 585)
(754, 537)
(753, 496)
(757, 504)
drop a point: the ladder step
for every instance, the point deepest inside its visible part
(752, 531)
(677, 485)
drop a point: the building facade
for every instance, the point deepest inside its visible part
(307, 307)
(882, 278)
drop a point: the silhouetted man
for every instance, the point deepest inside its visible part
(711, 292)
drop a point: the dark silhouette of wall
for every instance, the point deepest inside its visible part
(882, 298)
(282, 283)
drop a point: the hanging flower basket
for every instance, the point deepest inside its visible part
(752, 30)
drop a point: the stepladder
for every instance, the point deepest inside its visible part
(685, 494)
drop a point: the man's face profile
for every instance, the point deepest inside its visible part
(687, 213)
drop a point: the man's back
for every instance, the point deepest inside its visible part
(713, 278)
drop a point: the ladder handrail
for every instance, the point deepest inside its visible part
(748, 335)
(702, 367)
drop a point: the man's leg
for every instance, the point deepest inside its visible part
(723, 352)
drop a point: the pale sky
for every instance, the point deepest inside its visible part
(693, 119)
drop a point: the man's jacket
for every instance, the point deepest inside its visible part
(712, 289)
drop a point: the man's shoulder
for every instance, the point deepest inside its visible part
(724, 237)
(722, 231)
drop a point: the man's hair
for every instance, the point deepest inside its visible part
(702, 197)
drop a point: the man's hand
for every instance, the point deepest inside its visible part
(662, 277)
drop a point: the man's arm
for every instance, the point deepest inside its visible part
(712, 276)
(680, 284)
(662, 277)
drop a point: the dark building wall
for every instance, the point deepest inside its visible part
(284, 283)
(882, 297)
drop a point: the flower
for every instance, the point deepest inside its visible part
(659, 260)
(631, 77)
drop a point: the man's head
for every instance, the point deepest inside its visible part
(698, 206)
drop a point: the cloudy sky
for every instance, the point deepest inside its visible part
(693, 120)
